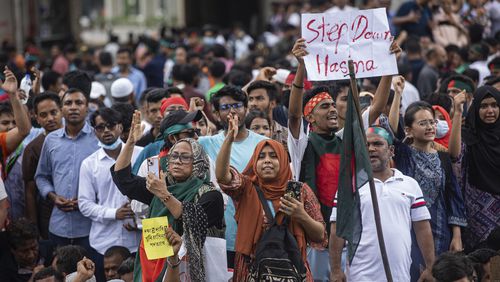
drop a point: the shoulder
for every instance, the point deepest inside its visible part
(406, 180)
(255, 137)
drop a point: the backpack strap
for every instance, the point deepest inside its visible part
(263, 201)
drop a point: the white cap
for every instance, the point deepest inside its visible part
(281, 75)
(97, 90)
(122, 87)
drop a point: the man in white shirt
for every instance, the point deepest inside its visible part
(99, 199)
(402, 206)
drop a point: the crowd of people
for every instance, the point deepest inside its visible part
(222, 133)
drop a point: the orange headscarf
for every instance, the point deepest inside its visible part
(249, 209)
(445, 139)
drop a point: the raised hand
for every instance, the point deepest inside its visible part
(395, 49)
(398, 83)
(136, 129)
(85, 269)
(299, 50)
(459, 101)
(10, 83)
(266, 73)
(196, 103)
(233, 129)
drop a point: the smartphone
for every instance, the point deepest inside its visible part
(154, 166)
(293, 189)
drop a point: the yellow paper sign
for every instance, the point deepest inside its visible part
(155, 241)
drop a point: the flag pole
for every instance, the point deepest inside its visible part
(376, 210)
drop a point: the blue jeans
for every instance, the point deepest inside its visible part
(319, 262)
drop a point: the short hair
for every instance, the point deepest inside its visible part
(482, 256)
(313, 92)
(75, 90)
(415, 107)
(117, 250)
(127, 266)
(105, 59)
(256, 114)
(68, 258)
(440, 99)
(6, 108)
(47, 95)
(124, 50)
(156, 95)
(20, 231)
(219, 51)
(237, 78)
(452, 48)
(185, 73)
(48, 272)
(471, 74)
(127, 112)
(271, 90)
(80, 80)
(49, 78)
(450, 267)
(230, 91)
(217, 69)
(107, 114)
(174, 90)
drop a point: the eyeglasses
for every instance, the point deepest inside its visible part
(183, 158)
(101, 127)
(227, 107)
(426, 122)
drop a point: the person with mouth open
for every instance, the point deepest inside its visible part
(416, 156)
(315, 153)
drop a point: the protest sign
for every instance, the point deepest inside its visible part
(334, 38)
(155, 241)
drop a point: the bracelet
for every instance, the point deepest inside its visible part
(296, 86)
(173, 265)
(165, 200)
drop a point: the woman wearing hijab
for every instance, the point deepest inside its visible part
(268, 169)
(443, 126)
(480, 162)
(183, 193)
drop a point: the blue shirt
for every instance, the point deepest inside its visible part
(420, 28)
(138, 80)
(241, 152)
(58, 171)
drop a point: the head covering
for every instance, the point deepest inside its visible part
(381, 132)
(291, 77)
(122, 87)
(311, 104)
(250, 227)
(97, 90)
(445, 139)
(482, 155)
(172, 101)
(460, 84)
(185, 192)
(177, 121)
(281, 75)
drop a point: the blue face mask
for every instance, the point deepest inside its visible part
(442, 129)
(110, 147)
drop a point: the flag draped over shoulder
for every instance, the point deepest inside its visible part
(355, 171)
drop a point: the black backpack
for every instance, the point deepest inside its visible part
(277, 255)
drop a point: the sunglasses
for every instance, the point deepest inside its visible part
(227, 107)
(101, 127)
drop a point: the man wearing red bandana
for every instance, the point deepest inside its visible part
(316, 156)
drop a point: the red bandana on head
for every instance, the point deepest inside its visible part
(315, 101)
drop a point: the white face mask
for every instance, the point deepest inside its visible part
(442, 129)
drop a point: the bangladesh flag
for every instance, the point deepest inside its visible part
(355, 171)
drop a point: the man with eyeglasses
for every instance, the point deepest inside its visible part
(59, 167)
(232, 100)
(113, 222)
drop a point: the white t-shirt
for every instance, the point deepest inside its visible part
(297, 147)
(3, 193)
(401, 203)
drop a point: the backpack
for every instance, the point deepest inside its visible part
(277, 255)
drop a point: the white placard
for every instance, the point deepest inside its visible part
(334, 38)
